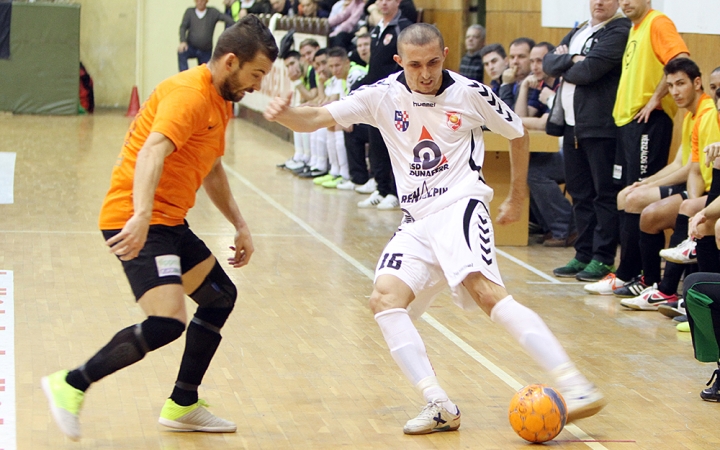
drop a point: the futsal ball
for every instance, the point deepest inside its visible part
(537, 413)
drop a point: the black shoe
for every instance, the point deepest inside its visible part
(632, 288)
(711, 394)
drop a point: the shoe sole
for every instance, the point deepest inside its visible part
(54, 410)
(433, 430)
(641, 308)
(179, 426)
(586, 411)
(565, 275)
(680, 261)
(669, 312)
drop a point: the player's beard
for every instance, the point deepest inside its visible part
(231, 89)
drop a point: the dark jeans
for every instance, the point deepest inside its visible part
(589, 181)
(380, 163)
(192, 53)
(547, 201)
(355, 145)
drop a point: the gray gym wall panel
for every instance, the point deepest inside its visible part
(42, 74)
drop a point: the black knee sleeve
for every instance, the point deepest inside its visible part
(159, 331)
(215, 298)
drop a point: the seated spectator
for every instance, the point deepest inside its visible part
(295, 72)
(344, 22)
(495, 62)
(283, 7)
(361, 54)
(471, 64)
(237, 9)
(310, 8)
(546, 171)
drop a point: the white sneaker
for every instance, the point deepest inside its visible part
(372, 201)
(193, 418)
(606, 286)
(433, 418)
(367, 188)
(649, 299)
(684, 253)
(583, 402)
(346, 185)
(291, 164)
(390, 202)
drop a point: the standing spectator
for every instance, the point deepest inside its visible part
(495, 63)
(383, 49)
(196, 33)
(548, 203)
(643, 113)
(589, 61)
(174, 146)
(471, 64)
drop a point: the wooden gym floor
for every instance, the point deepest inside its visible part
(302, 364)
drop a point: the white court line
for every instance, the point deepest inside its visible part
(455, 339)
(532, 269)
(7, 177)
(8, 436)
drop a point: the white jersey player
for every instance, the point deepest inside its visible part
(432, 122)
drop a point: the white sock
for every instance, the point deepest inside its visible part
(405, 344)
(342, 157)
(332, 154)
(531, 332)
(431, 390)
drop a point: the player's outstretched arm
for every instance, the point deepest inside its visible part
(303, 119)
(511, 208)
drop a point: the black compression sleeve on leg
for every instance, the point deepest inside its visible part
(127, 347)
(200, 346)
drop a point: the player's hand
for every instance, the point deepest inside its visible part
(561, 50)
(243, 248)
(277, 107)
(509, 75)
(695, 222)
(182, 47)
(131, 239)
(644, 114)
(510, 211)
(712, 151)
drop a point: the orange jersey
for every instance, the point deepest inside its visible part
(186, 109)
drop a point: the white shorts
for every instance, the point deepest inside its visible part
(441, 250)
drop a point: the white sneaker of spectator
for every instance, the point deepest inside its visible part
(372, 201)
(684, 253)
(291, 164)
(346, 185)
(390, 202)
(606, 286)
(367, 188)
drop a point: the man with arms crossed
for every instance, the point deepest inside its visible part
(446, 237)
(173, 147)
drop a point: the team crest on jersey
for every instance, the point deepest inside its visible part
(454, 120)
(388, 39)
(402, 121)
(428, 159)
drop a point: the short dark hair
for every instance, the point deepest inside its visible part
(523, 40)
(493, 48)
(292, 54)
(364, 35)
(420, 34)
(245, 39)
(550, 48)
(685, 65)
(337, 52)
(320, 52)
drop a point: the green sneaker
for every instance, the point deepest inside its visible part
(332, 183)
(322, 179)
(65, 403)
(570, 269)
(193, 418)
(595, 271)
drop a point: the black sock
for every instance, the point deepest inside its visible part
(650, 246)
(707, 255)
(630, 261)
(127, 347)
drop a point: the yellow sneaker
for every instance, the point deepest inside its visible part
(65, 403)
(193, 418)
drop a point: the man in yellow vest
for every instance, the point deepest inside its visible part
(643, 113)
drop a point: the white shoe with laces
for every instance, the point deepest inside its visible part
(193, 418)
(372, 201)
(390, 202)
(346, 185)
(684, 253)
(583, 401)
(367, 188)
(604, 286)
(433, 418)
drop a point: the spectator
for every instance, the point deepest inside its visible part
(589, 61)
(495, 62)
(471, 64)
(518, 69)
(643, 113)
(295, 72)
(715, 83)
(310, 8)
(361, 55)
(548, 203)
(237, 9)
(382, 63)
(344, 23)
(283, 7)
(196, 33)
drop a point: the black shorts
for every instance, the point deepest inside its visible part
(168, 253)
(667, 191)
(643, 148)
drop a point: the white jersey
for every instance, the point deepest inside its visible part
(435, 141)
